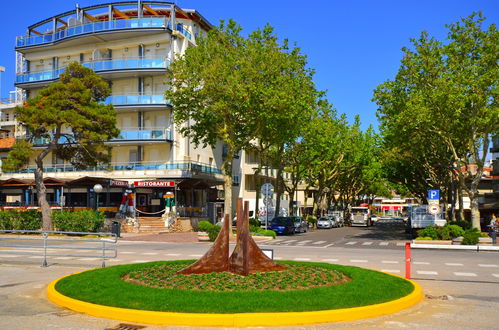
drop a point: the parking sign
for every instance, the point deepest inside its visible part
(433, 194)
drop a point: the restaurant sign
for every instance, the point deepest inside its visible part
(154, 183)
(118, 183)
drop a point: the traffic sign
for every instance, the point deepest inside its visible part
(267, 189)
(434, 209)
(433, 194)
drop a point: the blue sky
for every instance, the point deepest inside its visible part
(352, 45)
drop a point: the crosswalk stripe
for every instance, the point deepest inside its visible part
(357, 260)
(304, 242)
(421, 263)
(453, 264)
(63, 258)
(495, 275)
(351, 243)
(400, 243)
(487, 265)
(329, 245)
(128, 252)
(426, 272)
(139, 261)
(195, 255)
(301, 259)
(383, 243)
(389, 262)
(367, 243)
(36, 257)
(329, 260)
(319, 242)
(464, 274)
(87, 259)
(172, 254)
(390, 270)
(150, 253)
(9, 256)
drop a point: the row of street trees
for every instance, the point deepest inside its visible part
(254, 93)
(438, 115)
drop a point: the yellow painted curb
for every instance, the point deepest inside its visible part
(237, 319)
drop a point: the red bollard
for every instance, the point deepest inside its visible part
(408, 260)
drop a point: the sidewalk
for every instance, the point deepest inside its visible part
(189, 237)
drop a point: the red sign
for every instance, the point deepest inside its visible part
(154, 183)
(118, 183)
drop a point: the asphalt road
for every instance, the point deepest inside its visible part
(461, 287)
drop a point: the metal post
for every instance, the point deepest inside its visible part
(408, 260)
(44, 263)
(103, 253)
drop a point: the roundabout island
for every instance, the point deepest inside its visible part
(245, 289)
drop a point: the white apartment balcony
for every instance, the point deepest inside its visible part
(108, 68)
(137, 100)
(143, 169)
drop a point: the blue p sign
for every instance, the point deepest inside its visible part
(433, 194)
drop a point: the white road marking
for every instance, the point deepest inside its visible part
(302, 259)
(384, 243)
(36, 257)
(351, 243)
(357, 260)
(150, 253)
(421, 263)
(487, 265)
(128, 252)
(367, 243)
(464, 274)
(87, 259)
(329, 245)
(9, 256)
(195, 255)
(172, 254)
(400, 243)
(453, 264)
(63, 258)
(329, 260)
(390, 270)
(319, 242)
(495, 275)
(140, 261)
(304, 242)
(277, 258)
(289, 241)
(389, 262)
(426, 272)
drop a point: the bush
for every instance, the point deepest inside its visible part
(78, 221)
(204, 226)
(471, 236)
(213, 232)
(423, 238)
(429, 232)
(455, 230)
(444, 233)
(269, 233)
(311, 220)
(22, 220)
(254, 222)
(463, 224)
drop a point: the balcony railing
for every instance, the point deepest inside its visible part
(148, 134)
(130, 166)
(98, 66)
(134, 99)
(158, 134)
(122, 24)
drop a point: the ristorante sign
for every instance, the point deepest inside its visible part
(154, 183)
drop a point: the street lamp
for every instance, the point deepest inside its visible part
(2, 69)
(97, 190)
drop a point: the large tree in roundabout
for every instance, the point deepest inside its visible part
(71, 122)
(448, 92)
(240, 91)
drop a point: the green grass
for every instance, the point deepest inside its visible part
(104, 286)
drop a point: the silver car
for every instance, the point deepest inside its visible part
(300, 225)
(325, 223)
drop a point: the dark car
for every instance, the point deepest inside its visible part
(283, 225)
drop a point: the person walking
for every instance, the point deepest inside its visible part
(493, 228)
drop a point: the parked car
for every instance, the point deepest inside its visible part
(374, 218)
(336, 222)
(283, 225)
(300, 225)
(325, 223)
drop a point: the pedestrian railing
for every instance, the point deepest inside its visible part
(59, 244)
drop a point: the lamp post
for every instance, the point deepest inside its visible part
(2, 69)
(97, 190)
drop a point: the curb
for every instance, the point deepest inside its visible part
(237, 319)
(477, 247)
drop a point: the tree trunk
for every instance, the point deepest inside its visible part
(41, 193)
(227, 168)
(258, 186)
(475, 213)
(460, 192)
(278, 190)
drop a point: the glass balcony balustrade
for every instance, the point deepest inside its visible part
(122, 24)
(151, 134)
(136, 99)
(195, 168)
(98, 66)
